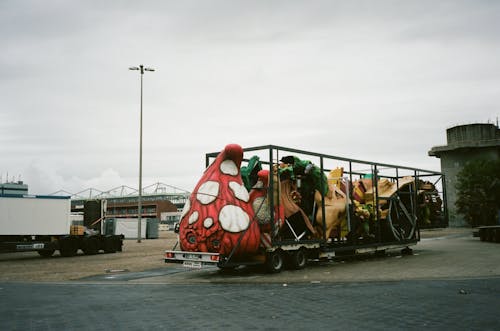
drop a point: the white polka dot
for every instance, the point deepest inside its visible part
(228, 167)
(208, 222)
(233, 219)
(208, 192)
(240, 192)
(186, 208)
(193, 218)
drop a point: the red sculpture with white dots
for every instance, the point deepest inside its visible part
(218, 216)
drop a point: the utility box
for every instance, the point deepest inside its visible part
(152, 228)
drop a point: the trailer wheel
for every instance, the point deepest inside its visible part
(91, 246)
(68, 247)
(497, 235)
(109, 245)
(482, 234)
(298, 259)
(401, 223)
(46, 252)
(274, 261)
(118, 243)
(492, 235)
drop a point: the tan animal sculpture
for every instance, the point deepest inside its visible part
(335, 206)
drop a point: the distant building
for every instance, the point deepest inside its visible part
(166, 208)
(13, 188)
(465, 143)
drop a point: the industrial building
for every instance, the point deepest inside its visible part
(13, 188)
(464, 143)
(165, 207)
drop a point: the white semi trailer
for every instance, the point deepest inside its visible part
(43, 224)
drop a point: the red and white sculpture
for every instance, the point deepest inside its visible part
(218, 216)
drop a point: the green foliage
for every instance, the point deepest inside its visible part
(478, 192)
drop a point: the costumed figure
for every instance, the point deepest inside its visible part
(335, 206)
(291, 199)
(309, 179)
(261, 207)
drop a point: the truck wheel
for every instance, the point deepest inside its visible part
(109, 245)
(497, 236)
(482, 234)
(68, 247)
(298, 259)
(490, 235)
(274, 261)
(91, 246)
(46, 252)
(118, 243)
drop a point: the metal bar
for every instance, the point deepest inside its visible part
(445, 200)
(323, 209)
(270, 193)
(350, 198)
(377, 213)
(292, 150)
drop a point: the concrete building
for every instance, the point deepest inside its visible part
(13, 188)
(464, 143)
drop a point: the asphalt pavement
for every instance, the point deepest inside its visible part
(452, 281)
(399, 305)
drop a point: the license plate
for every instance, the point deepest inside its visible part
(192, 264)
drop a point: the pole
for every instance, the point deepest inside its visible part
(139, 203)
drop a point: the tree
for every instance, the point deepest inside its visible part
(478, 192)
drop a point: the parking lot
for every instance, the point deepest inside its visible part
(441, 254)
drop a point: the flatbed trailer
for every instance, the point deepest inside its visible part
(395, 223)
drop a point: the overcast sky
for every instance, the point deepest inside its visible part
(371, 80)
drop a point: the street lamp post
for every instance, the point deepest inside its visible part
(139, 203)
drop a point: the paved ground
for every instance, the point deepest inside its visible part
(402, 305)
(442, 254)
(136, 257)
(451, 282)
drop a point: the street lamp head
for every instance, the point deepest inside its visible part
(133, 68)
(149, 69)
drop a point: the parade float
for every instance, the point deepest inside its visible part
(281, 207)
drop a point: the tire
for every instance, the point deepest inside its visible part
(490, 235)
(46, 252)
(407, 251)
(68, 247)
(482, 234)
(109, 245)
(274, 261)
(91, 246)
(118, 243)
(298, 259)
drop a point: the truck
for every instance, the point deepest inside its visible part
(306, 206)
(43, 224)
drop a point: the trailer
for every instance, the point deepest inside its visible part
(307, 205)
(43, 224)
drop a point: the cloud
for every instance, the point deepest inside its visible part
(45, 179)
(379, 81)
